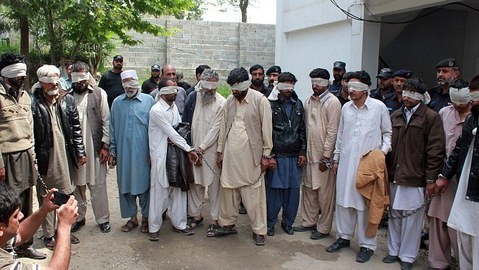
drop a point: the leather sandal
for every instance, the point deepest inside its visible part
(130, 225)
(195, 223)
(259, 240)
(212, 228)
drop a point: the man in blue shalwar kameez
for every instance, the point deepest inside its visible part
(129, 149)
(289, 148)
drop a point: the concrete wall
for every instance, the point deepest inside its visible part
(223, 46)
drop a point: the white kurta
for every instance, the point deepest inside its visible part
(204, 133)
(464, 213)
(360, 130)
(162, 119)
(93, 170)
(322, 116)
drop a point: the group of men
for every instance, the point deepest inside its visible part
(350, 151)
(427, 145)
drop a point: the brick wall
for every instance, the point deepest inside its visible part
(223, 46)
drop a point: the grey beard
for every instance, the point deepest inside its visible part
(208, 98)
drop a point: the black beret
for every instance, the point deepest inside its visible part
(448, 62)
(403, 73)
(273, 69)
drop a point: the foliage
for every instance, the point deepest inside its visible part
(69, 28)
(196, 12)
(223, 89)
(9, 47)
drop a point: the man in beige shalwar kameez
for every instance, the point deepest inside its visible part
(203, 110)
(322, 114)
(94, 116)
(244, 146)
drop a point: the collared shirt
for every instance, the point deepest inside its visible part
(7, 262)
(288, 106)
(360, 130)
(408, 113)
(65, 83)
(453, 124)
(129, 142)
(162, 119)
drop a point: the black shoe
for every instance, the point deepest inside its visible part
(406, 266)
(30, 252)
(288, 229)
(390, 259)
(105, 227)
(226, 230)
(74, 240)
(304, 229)
(338, 245)
(154, 236)
(364, 254)
(270, 231)
(242, 210)
(76, 227)
(315, 235)
(185, 232)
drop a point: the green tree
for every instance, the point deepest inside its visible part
(70, 27)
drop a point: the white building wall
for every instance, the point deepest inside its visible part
(312, 34)
(315, 33)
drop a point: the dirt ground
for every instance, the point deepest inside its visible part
(133, 250)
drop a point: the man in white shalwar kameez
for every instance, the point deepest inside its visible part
(94, 115)
(163, 116)
(464, 162)
(203, 110)
(364, 126)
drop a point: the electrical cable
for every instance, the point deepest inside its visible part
(433, 10)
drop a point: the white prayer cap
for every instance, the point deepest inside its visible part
(48, 74)
(129, 74)
(460, 96)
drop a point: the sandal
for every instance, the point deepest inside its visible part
(212, 228)
(259, 240)
(130, 225)
(195, 223)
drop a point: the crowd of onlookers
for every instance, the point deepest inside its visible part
(400, 152)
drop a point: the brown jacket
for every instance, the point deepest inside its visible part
(418, 148)
(371, 183)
